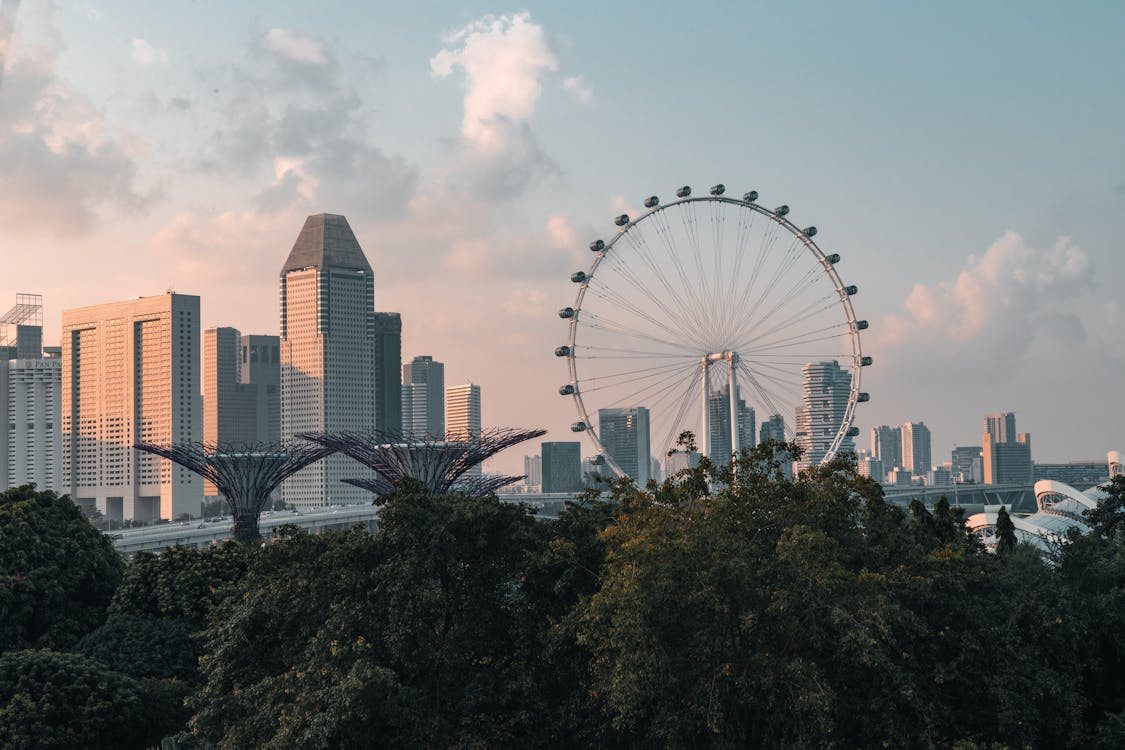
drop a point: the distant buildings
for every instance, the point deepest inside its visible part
(423, 397)
(30, 400)
(327, 353)
(1006, 454)
(533, 471)
(624, 434)
(968, 464)
(388, 371)
(1081, 475)
(916, 448)
(826, 392)
(462, 415)
(130, 372)
(718, 404)
(886, 445)
(562, 466)
(773, 429)
(872, 468)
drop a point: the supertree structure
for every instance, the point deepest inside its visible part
(439, 463)
(244, 473)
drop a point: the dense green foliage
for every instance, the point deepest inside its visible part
(55, 701)
(57, 573)
(713, 610)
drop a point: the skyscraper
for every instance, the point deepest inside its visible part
(1001, 426)
(388, 371)
(30, 400)
(131, 374)
(886, 445)
(968, 466)
(423, 397)
(562, 466)
(718, 405)
(1007, 462)
(624, 434)
(462, 415)
(827, 389)
(773, 429)
(327, 353)
(917, 458)
(241, 384)
(533, 470)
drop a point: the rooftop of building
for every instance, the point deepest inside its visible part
(326, 240)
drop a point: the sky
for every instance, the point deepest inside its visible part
(965, 159)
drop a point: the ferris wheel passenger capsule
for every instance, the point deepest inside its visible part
(652, 201)
(851, 289)
(683, 192)
(597, 246)
(566, 390)
(781, 210)
(597, 459)
(718, 189)
(578, 277)
(861, 325)
(834, 258)
(853, 431)
(562, 351)
(809, 231)
(863, 397)
(566, 312)
(865, 361)
(621, 220)
(751, 196)
(578, 427)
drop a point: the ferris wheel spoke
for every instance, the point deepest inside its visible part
(649, 396)
(615, 298)
(789, 297)
(768, 243)
(629, 353)
(689, 320)
(612, 326)
(791, 390)
(643, 371)
(675, 427)
(826, 303)
(783, 344)
(664, 232)
(691, 227)
(767, 398)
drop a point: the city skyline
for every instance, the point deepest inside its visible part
(999, 284)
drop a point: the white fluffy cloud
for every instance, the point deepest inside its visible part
(577, 87)
(1004, 298)
(60, 162)
(296, 46)
(503, 61)
(144, 52)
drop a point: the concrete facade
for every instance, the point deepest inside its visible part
(130, 372)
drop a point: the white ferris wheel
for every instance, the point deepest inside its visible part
(709, 312)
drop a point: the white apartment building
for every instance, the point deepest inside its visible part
(30, 450)
(130, 373)
(462, 415)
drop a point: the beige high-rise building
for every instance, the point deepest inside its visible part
(130, 372)
(462, 415)
(327, 354)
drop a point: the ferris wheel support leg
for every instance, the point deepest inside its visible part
(735, 444)
(705, 438)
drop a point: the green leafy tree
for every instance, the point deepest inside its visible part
(1005, 532)
(181, 583)
(56, 701)
(144, 647)
(57, 572)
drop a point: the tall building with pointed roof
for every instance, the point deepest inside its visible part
(327, 294)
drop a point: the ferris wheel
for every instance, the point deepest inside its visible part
(716, 315)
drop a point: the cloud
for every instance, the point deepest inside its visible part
(562, 232)
(503, 60)
(144, 53)
(296, 46)
(289, 116)
(577, 87)
(60, 161)
(1000, 298)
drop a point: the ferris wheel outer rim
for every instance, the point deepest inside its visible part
(797, 232)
